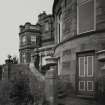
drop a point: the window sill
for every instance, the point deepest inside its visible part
(86, 96)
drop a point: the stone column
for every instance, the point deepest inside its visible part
(51, 81)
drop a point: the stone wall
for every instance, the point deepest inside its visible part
(73, 44)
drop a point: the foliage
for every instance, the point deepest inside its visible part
(20, 93)
(11, 59)
(15, 92)
(5, 88)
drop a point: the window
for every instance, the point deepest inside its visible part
(90, 86)
(24, 39)
(82, 85)
(59, 27)
(86, 16)
(46, 26)
(32, 57)
(65, 3)
(82, 66)
(85, 73)
(59, 68)
(86, 85)
(33, 38)
(90, 66)
(86, 66)
(24, 58)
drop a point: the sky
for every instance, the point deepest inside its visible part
(14, 13)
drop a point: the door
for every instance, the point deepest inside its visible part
(86, 75)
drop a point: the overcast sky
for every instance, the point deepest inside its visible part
(14, 13)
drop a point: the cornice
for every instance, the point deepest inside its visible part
(79, 36)
(30, 30)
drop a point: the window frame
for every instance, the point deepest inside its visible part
(59, 26)
(78, 33)
(33, 37)
(84, 86)
(24, 58)
(46, 26)
(86, 71)
(88, 85)
(92, 66)
(79, 67)
(59, 68)
(24, 39)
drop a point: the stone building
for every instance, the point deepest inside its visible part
(29, 37)
(35, 38)
(75, 36)
(47, 38)
(79, 29)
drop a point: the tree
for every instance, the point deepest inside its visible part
(11, 60)
(15, 60)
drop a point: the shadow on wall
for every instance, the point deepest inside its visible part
(64, 88)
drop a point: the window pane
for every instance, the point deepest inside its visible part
(46, 26)
(81, 66)
(90, 66)
(59, 69)
(33, 38)
(24, 39)
(90, 86)
(86, 17)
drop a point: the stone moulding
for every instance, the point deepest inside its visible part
(101, 58)
(101, 55)
(51, 61)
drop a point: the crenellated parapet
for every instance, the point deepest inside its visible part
(29, 27)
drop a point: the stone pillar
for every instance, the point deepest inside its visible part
(51, 81)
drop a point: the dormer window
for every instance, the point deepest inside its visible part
(86, 16)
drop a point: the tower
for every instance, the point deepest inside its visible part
(29, 37)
